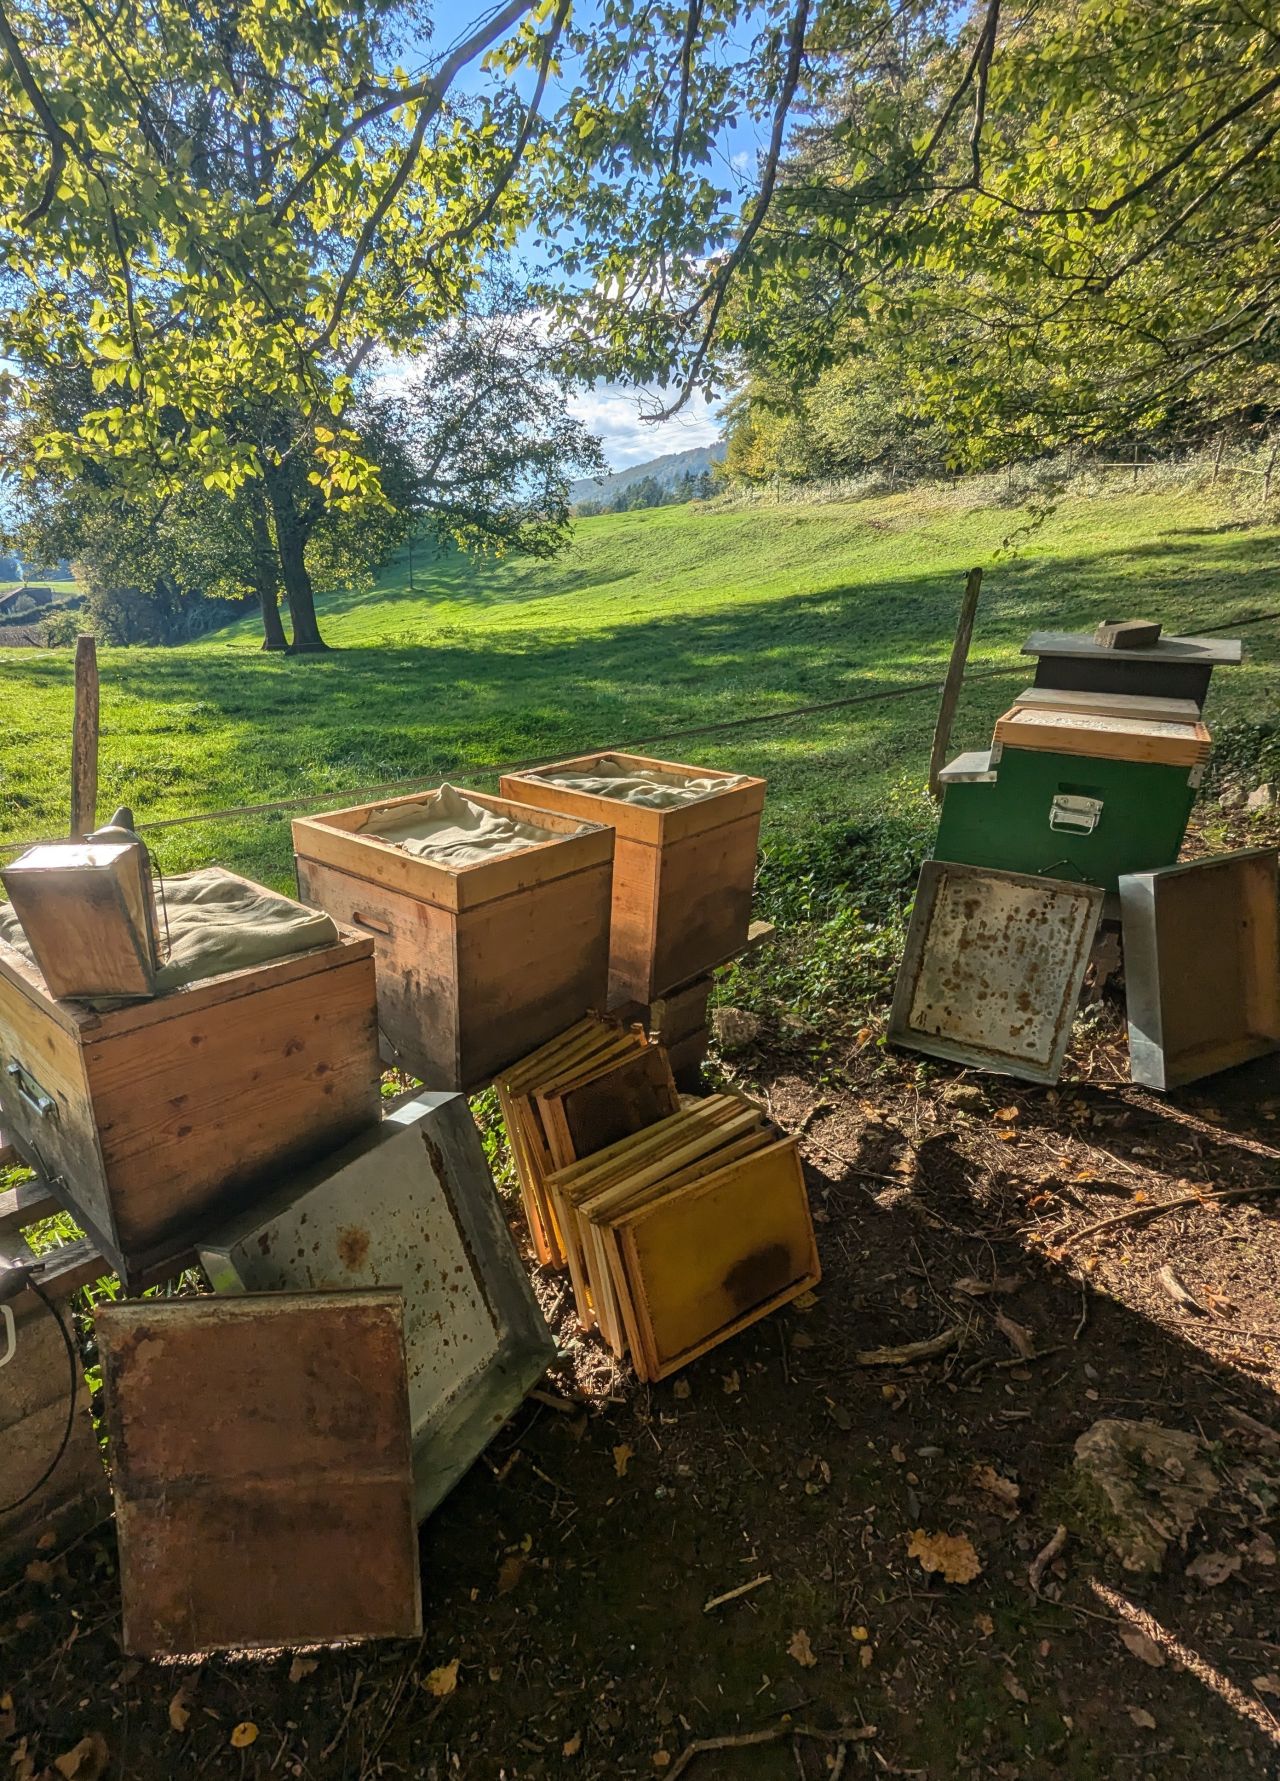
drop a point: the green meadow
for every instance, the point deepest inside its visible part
(649, 625)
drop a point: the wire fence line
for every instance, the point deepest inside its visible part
(467, 775)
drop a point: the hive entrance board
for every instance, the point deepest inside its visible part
(410, 1205)
(1202, 966)
(993, 966)
(261, 1470)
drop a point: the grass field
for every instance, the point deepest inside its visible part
(651, 623)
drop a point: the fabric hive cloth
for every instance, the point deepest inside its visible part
(650, 786)
(451, 830)
(216, 923)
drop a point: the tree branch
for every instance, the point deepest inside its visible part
(719, 287)
(429, 91)
(499, 186)
(49, 123)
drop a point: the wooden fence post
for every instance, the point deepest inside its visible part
(1217, 459)
(84, 739)
(955, 679)
(1266, 475)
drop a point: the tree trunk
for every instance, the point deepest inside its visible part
(266, 575)
(290, 544)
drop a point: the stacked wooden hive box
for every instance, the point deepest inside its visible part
(194, 1069)
(1093, 770)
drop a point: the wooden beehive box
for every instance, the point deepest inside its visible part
(149, 1120)
(682, 876)
(479, 964)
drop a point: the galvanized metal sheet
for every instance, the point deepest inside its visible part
(411, 1204)
(993, 966)
(261, 1469)
(1201, 966)
(973, 768)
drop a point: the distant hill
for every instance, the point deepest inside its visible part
(667, 470)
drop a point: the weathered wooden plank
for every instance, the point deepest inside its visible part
(25, 1204)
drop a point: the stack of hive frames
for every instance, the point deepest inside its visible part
(679, 1236)
(593, 1084)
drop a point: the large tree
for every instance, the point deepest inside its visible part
(224, 213)
(1082, 249)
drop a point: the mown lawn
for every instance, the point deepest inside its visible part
(649, 624)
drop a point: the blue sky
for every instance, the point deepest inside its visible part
(617, 412)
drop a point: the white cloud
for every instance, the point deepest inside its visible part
(617, 413)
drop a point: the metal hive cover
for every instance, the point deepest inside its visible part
(410, 1204)
(992, 969)
(261, 1470)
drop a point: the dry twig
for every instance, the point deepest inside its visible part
(1136, 1212)
(911, 1351)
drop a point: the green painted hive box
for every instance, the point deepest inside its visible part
(1064, 815)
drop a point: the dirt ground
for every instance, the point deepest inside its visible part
(568, 1578)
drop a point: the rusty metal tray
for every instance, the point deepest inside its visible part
(992, 969)
(261, 1469)
(1201, 966)
(411, 1204)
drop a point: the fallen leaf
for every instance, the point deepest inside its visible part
(442, 1681)
(22, 1765)
(302, 1666)
(1143, 1648)
(87, 1761)
(1142, 1718)
(1006, 1115)
(1261, 1550)
(984, 1625)
(571, 1746)
(47, 1541)
(951, 1554)
(1212, 1568)
(1268, 1684)
(973, 1288)
(179, 1711)
(1003, 1491)
(243, 1735)
(681, 1389)
(622, 1457)
(732, 1384)
(510, 1571)
(8, 1718)
(804, 1301)
(859, 1634)
(801, 1650)
(39, 1571)
(662, 1759)
(1012, 1686)
(1017, 1335)
(866, 1655)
